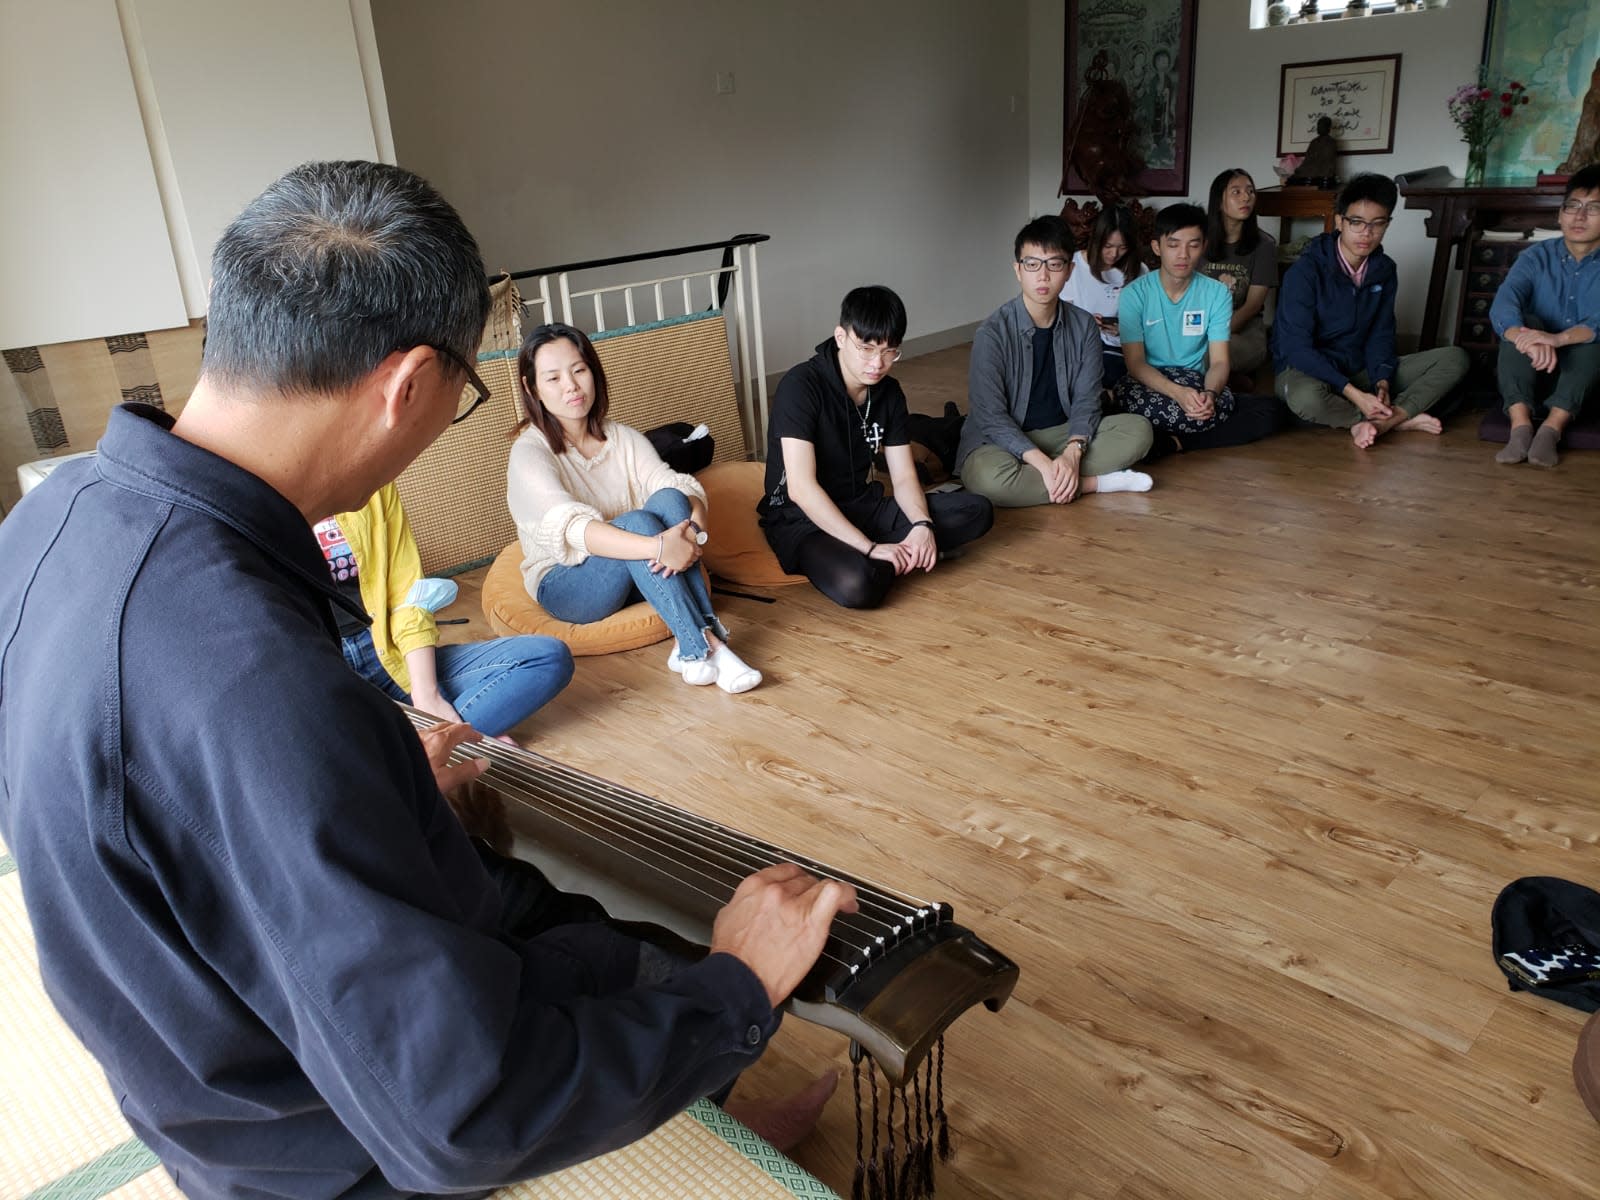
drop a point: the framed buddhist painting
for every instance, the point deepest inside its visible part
(1146, 47)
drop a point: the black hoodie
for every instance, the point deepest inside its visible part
(813, 406)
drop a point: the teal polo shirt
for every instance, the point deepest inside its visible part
(1175, 333)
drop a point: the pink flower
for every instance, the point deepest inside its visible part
(1505, 97)
(1505, 112)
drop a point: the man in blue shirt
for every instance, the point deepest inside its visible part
(1175, 325)
(1547, 313)
(1333, 340)
(250, 899)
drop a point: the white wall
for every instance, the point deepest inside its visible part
(1237, 73)
(141, 128)
(875, 143)
(244, 92)
(83, 243)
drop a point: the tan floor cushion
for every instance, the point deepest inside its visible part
(510, 610)
(736, 549)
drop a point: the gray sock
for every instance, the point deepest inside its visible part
(1542, 453)
(1516, 445)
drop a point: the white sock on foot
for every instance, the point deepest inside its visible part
(1124, 481)
(697, 674)
(734, 675)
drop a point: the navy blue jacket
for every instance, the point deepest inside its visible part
(1327, 327)
(251, 901)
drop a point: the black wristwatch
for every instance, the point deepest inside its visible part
(700, 535)
(924, 524)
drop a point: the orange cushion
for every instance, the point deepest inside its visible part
(511, 610)
(736, 549)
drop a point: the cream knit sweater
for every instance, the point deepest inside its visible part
(553, 497)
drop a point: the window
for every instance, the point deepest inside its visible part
(1303, 12)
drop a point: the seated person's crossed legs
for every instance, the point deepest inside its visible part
(855, 580)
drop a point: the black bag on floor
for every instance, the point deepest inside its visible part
(678, 450)
(1547, 940)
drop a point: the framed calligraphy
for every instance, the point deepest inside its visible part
(1357, 93)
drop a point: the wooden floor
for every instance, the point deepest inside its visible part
(1235, 771)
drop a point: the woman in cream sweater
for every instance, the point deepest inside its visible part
(602, 520)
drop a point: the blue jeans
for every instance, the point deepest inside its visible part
(598, 587)
(493, 684)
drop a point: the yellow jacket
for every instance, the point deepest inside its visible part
(389, 567)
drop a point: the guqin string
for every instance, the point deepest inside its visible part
(706, 862)
(705, 858)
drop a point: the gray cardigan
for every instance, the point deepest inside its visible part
(1001, 375)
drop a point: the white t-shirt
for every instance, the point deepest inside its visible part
(1098, 296)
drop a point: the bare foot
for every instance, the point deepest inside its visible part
(786, 1122)
(1363, 434)
(1421, 423)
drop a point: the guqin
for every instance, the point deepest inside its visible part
(892, 977)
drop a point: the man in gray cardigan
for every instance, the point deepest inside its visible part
(1034, 434)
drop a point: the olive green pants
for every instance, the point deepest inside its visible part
(1420, 381)
(1122, 440)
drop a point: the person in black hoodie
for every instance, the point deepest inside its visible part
(1333, 339)
(823, 513)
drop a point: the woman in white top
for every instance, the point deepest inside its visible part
(1099, 273)
(602, 520)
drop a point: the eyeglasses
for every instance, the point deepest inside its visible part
(885, 355)
(1575, 208)
(1357, 225)
(1034, 265)
(473, 394)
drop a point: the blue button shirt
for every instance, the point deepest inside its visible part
(1549, 288)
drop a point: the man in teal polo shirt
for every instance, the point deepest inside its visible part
(1174, 324)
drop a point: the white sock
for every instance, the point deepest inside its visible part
(1123, 481)
(696, 674)
(734, 675)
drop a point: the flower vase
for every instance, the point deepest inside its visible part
(1477, 163)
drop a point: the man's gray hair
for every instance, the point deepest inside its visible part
(333, 268)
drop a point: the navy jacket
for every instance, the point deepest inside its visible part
(1328, 328)
(250, 900)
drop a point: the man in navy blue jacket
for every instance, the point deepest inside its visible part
(1333, 347)
(250, 898)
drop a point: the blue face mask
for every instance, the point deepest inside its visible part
(432, 594)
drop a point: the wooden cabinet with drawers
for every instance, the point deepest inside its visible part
(1485, 266)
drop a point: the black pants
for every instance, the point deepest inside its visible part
(849, 578)
(1253, 418)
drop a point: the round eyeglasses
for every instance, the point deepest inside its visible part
(883, 355)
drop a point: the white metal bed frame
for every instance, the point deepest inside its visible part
(552, 296)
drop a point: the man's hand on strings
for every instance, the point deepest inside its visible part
(776, 923)
(439, 741)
